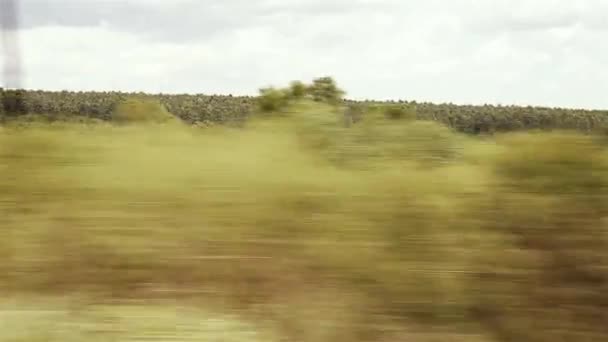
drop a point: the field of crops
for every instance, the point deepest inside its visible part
(204, 109)
(296, 227)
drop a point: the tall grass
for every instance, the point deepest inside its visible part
(385, 230)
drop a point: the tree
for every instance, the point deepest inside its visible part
(297, 89)
(12, 102)
(324, 89)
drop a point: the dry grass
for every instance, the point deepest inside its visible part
(314, 231)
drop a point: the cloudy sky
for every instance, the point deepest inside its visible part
(542, 52)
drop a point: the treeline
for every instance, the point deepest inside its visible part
(198, 108)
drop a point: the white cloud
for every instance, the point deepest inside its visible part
(545, 52)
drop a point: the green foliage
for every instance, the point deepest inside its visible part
(399, 112)
(272, 100)
(141, 111)
(12, 103)
(376, 138)
(236, 109)
(297, 89)
(382, 230)
(325, 89)
(321, 90)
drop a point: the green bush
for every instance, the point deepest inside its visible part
(322, 89)
(376, 139)
(297, 89)
(12, 103)
(325, 89)
(272, 99)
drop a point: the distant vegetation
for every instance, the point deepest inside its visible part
(314, 220)
(323, 90)
(207, 109)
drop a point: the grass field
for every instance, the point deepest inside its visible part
(297, 228)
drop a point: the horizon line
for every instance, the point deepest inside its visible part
(359, 99)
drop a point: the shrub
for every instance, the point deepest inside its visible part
(12, 103)
(297, 89)
(376, 140)
(272, 99)
(324, 89)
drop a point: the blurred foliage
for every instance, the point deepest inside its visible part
(141, 111)
(396, 112)
(12, 103)
(101, 105)
(322, 90)
(272, 100)
(222, 109)
(297, 89)
(385, 227)
(325, 89)
(546, 277)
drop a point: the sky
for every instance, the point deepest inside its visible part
(523, 52)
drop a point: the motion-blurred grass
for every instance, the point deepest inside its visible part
(315, 231)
